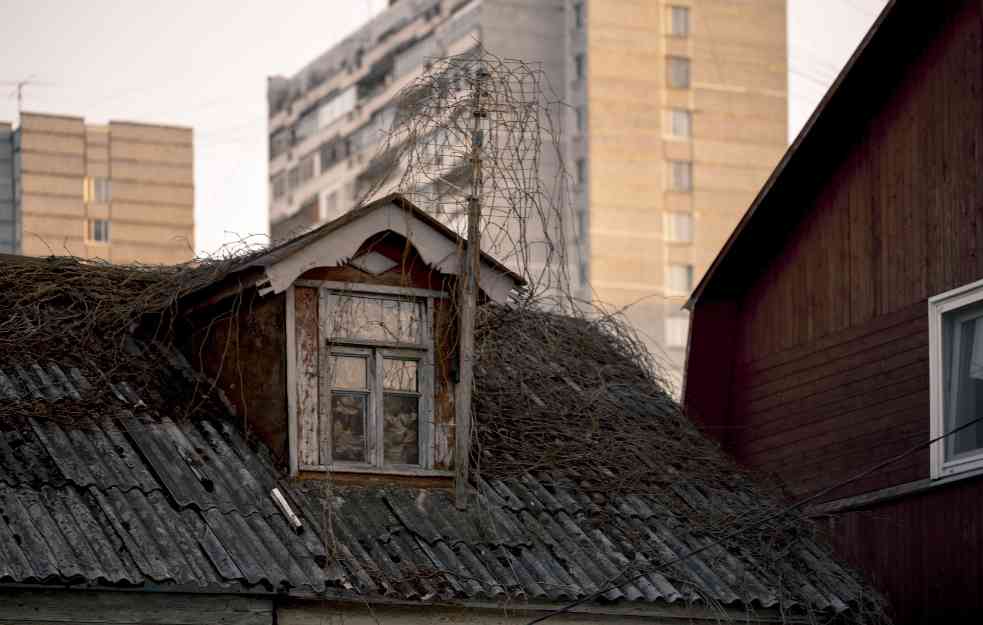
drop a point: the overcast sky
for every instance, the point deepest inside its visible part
(204, 64)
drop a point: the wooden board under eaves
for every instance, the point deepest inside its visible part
(306, 336)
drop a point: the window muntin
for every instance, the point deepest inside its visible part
(379, 357)
(964, 392)
(956, 369)
(678, 72)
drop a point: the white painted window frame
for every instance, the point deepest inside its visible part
(940, 306)
(424, 352)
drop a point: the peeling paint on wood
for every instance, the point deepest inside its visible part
(130, 608)
(306, 305)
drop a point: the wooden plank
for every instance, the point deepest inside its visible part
(834, 361)
(306, 306)
(915, 311)
(842, 421)
(836, 382)
(137, 608)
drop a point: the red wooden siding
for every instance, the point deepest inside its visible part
(831, 368)
(827, 371)
(922, 552)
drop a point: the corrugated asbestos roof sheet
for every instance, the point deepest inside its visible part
(551, 542)
(128, 497)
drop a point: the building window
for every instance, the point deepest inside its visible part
(956, 369)
(305, 168)
(279, 184)
(678, 227)
(96, 189)
(293, 178)
(679, 279)
(677, 72)
(378, 392)
(97, 230)
(279, 142)
(680, 176)
(581, 119)
(677, 331)
(578, 66)
(329, 207)
(578, 15)
(679, 21)
(680, 123)
(581, 171)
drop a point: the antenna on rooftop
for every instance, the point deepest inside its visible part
(19, 86)
(474, 141)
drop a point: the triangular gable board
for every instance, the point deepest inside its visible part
(337, 247)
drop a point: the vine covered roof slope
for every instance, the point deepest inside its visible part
(121, 465)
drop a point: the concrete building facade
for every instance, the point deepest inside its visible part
(122, 191)
(678, 112)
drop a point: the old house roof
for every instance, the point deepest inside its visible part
(111, 479)
(119, 490)
(438, 245)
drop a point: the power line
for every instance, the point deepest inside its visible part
(769, 517)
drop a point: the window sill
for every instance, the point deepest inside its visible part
(891, 493)
(403, 471)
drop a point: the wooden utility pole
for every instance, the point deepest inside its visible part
(469, 297)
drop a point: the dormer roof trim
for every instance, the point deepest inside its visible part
(337, 242)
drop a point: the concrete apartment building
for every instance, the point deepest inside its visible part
(678, 113)
(122, 191)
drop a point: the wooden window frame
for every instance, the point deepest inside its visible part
(940, 307)
(423, 352)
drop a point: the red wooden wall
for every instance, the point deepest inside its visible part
(816, 324)
(831, 360)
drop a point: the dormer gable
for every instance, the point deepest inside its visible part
(351, 367)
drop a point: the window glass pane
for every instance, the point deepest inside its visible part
(680, 123)
(401, 429)
(348, 427)
(357, 317)
(680, 278)
(399, 375)
(680, 21)
(677, 329)
(679, 227)
(348, 372)
(375, 319)
(966, 387)
(681, 175)
(678, 72)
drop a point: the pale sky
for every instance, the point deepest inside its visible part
(204, 64)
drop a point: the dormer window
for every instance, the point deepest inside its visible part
(376, 382)
(368, 388)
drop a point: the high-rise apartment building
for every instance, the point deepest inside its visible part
(122, 192)
(678, 113)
